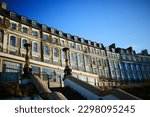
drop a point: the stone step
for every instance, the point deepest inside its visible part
(69, 93)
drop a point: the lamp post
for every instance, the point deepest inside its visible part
(27, 68)
(25, 78)
(67, 69)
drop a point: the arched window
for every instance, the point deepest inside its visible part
(46, 50)
(86, 59)
(63, 55)
(24, 41)
(55, 52)
(72, 57)
(80, 59)
(35, 47)
(13, 41)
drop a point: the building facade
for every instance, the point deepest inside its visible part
(90, 61)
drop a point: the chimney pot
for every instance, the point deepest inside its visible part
(3, 5)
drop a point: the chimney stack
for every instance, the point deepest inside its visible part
(3, 5)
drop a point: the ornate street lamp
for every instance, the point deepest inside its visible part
(25, 78)
(27, 68)
(67, 69)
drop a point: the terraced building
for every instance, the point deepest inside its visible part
(91, 61)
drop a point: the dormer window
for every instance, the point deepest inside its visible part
(24, 19)
(76, 38)
(68, 36)
(60, 33)
(13, 15)
(52, 30)
(34, 23)
(82, 40)
(94, 44)
(44, 27)
(89, 42)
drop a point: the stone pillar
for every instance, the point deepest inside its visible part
(67, 69)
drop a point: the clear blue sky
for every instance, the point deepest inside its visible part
(124, 22)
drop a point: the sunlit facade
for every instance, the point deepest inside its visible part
(90, 61)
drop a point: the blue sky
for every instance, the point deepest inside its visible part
(124, 22)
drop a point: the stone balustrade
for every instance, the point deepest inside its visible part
(94, 93)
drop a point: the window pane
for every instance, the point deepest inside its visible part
(35, 47)
(55, 52)
(78, 47)
(13, 26)
(25, 30)
(12, 15)
(62, 43)
(71, 45)
(54, 40)
(46, 37)
(34, 33)
(86, 59)
(24, 19)
(63, 55)
(24, 41)
(93, 61)
(72, 57)
(80, 59)
(13, 41)
(46, 50)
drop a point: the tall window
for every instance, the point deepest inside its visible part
(46, 50)
(13, 26)
(97, 51)
(62, 43)
(24, 41)
(78, 47)
(100, 62)
(94, 61)
(85, 49)
(105, 63)
(25, 30)
(72, 57)
(63, 55)
(86, 59)
(35, 47)
(101, 72)
(13, 41)
(46, 37)
(92, 50)
(80, 59)
(55, 52)
(54, 40)
(71, 45)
